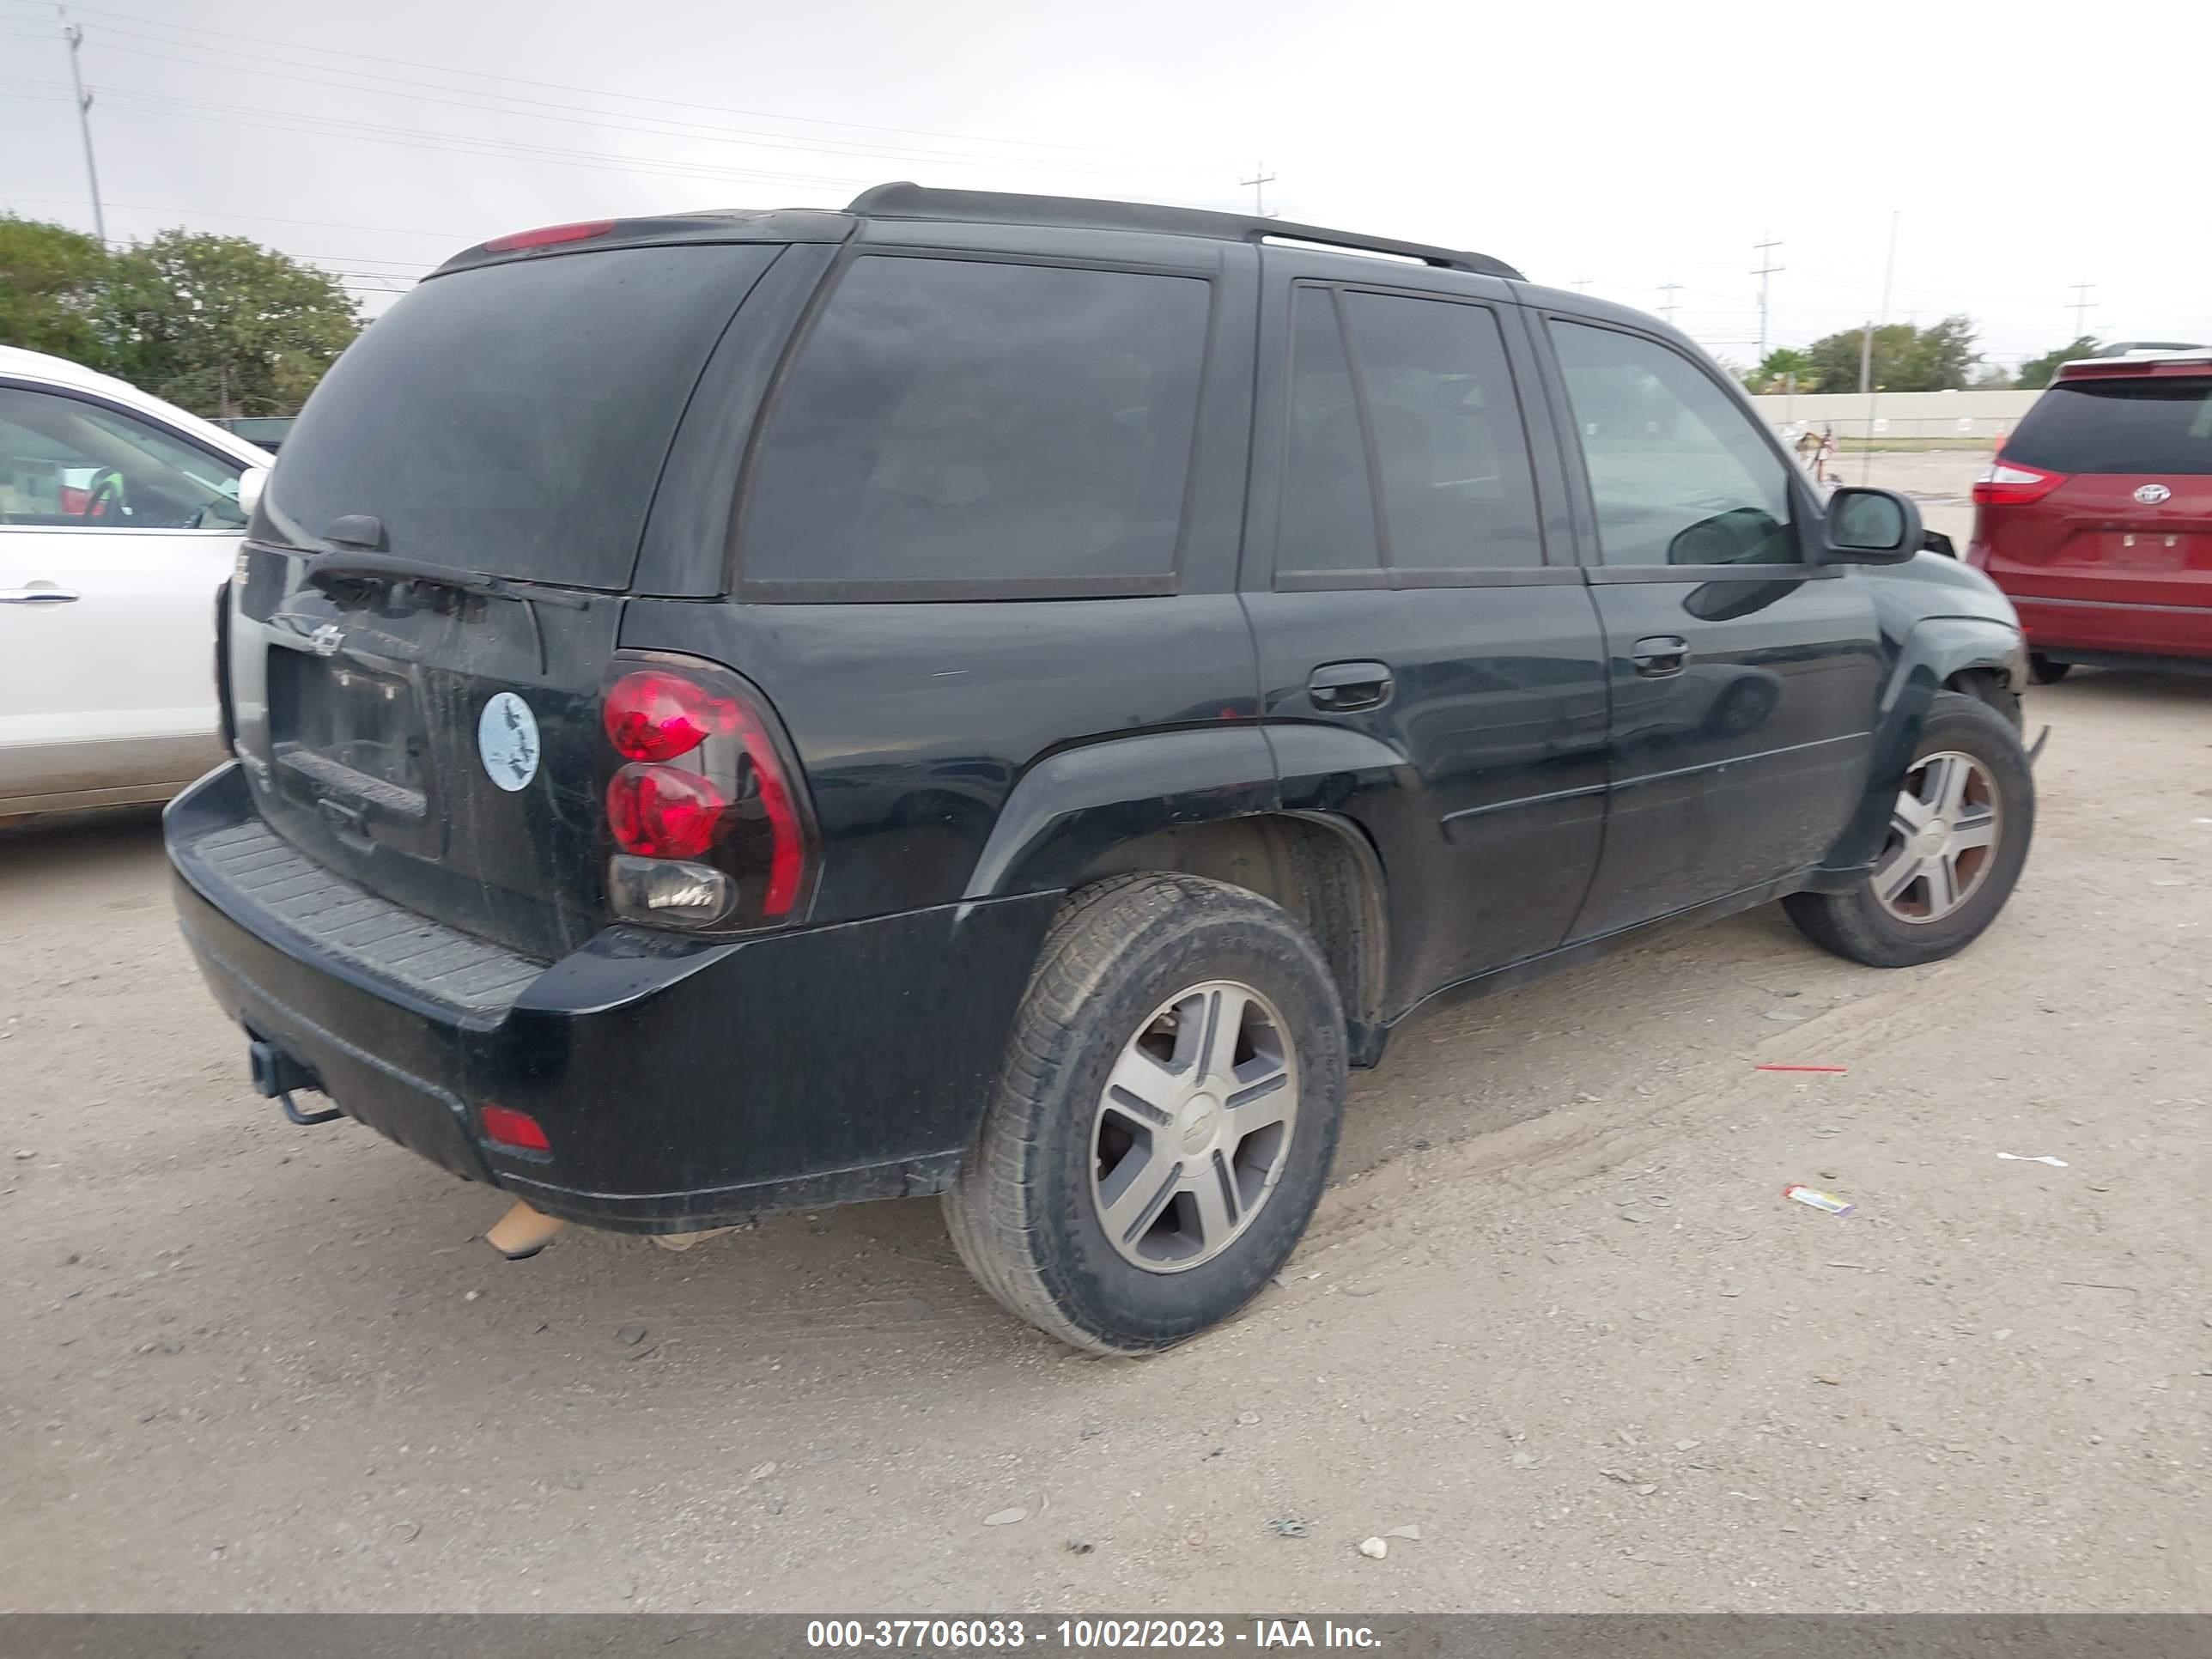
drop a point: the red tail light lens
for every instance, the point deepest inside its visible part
(512, 1128)
(656, 716)
(734, 810)
(582, 231)
(2009, 483)
(663, 812)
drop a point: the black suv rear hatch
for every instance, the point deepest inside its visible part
(433, 581)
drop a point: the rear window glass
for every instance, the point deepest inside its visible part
(513, 418)
(2118, 426)
(959, 420)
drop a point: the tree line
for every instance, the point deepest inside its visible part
(1941, 357)
(218, 325)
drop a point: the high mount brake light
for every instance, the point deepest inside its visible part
(547, 236)
(711, 827)
(2009, 483)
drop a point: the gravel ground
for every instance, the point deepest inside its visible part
(1555, 1313)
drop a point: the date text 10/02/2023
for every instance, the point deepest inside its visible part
(984, 1636)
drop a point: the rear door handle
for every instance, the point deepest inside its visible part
(1342, 687)
(38, 595)
(1660, 655)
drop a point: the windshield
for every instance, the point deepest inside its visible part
(2118, 426)
(513, 418)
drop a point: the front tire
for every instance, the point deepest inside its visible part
(1958, 838)
(1165, 1118)
(2044, 672)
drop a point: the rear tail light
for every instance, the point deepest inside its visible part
(664, 812)
(711, 829)
(2009, 483)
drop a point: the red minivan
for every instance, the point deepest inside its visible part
(2096, 520)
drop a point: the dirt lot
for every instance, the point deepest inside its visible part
(1555, 1312)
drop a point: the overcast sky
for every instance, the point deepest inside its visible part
(2024, 148)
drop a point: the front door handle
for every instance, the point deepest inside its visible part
(1344, 688)
(38, 593)
(1660, 656)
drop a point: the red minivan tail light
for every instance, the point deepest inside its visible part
(711, 825)
(2008, 483)
(582, 231)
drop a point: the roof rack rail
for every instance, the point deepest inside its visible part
(912, 201)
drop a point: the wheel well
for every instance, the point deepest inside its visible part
(1991, 686)
(1319, 870)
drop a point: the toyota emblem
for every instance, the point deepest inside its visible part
(2152, 495)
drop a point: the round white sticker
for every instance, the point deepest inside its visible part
(507, 738)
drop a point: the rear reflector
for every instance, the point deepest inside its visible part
(583, 231)
(509, 1128)
(2008, 483)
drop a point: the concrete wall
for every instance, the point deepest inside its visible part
(1967, 418)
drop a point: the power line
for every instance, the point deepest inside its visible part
(454, 143)
(696, 132)
(594, 92)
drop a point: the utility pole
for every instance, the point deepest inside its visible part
(1764, 249)
(75, 36)
(1581, 284)
(1668, 305)
(1866, 356)
(1260, 180)
(2082, 304)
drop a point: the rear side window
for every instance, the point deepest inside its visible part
(513, 418)
(1328, 508)
(1450, 452)
(1425, 394)
(2118, 426)
(963, 422)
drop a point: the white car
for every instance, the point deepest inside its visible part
(120, 516)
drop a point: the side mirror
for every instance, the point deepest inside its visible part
(1871, 527)
(251, 483)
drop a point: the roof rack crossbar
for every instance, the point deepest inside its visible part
(911, 201)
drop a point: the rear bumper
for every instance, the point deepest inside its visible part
(683, 1084)
(2054, 627)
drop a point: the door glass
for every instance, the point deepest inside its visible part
(1457, 493)
(1679, 473)
(1328, 510)
(67, 464)
(953, 420)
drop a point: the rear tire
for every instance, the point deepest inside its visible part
(2044, 672)
(1118, 1195)
(1960, 835)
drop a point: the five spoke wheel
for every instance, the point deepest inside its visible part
(1943, 835)
(1194, 1125)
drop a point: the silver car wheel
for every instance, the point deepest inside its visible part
(1943, 838)
(1194, 1127)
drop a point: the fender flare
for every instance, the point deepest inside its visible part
(1936, 649)
(1070, 807)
